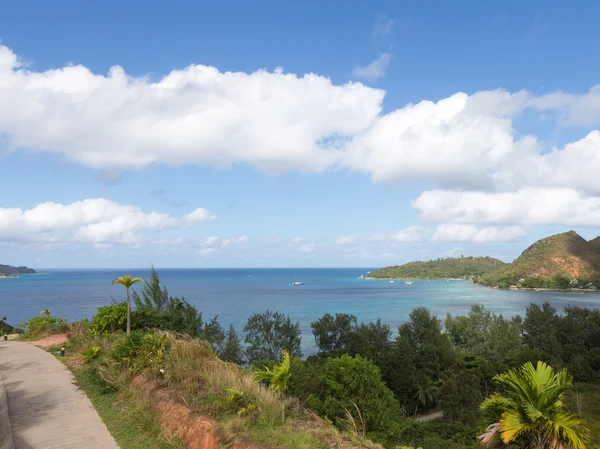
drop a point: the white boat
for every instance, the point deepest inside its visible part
(297, 283)
(391, 282)
(408, 282)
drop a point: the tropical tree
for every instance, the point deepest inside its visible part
(531, 410)
(127, 282)
(277, 377)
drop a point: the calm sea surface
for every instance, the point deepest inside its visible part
(235, 294)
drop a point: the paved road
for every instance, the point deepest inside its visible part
(46, 408)
(430, 417)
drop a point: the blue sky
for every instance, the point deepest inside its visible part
(203, 134)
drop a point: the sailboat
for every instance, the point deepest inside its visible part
(408, 282)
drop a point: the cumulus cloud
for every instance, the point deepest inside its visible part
(471, 233)
(530, 206)
(273, 120)
(375, 69)
(95, 220)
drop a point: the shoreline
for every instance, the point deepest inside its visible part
(582, 290)
(412, 279)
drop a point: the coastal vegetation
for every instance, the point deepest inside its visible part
(448, 268)
(9, 270)
(562, 261)
(362, 387)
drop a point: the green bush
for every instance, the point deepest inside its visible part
(43, 323)
(353, 385)
(109, 319)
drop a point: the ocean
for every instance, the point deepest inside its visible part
(234, 294)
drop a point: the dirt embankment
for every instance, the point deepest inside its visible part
(178, 421)
(51, 340)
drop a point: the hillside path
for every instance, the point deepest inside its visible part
(47, 410)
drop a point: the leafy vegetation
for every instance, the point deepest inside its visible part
(366, 379)
(9, 270)
(531, 411)
(558, 262)
(449, 268)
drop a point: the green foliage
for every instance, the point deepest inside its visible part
(232, 350)
(431, 350)
(44, 323)
(540, 329)
(278, 376)
(333, 334)
(90, 353)
(354, 385)
(152, 295)
(9, 270)
(530, 410)
(460, 394)
(109, 319)
(269, 333)
(449, 268)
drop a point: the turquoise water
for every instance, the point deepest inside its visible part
(234, 294)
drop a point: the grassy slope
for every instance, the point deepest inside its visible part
(566, 256)
(203, 383)
(450, 268)
(589, 406)
(127, 419)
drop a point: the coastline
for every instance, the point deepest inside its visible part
(412, 279)
(583, 290)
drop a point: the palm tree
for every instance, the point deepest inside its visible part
(531, 410)
(425, 392)
(277, 377)
(128, 281)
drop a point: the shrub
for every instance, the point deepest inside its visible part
(44, 323)
(109, 319)
(353, 385)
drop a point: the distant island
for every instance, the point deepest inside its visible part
(562, 261)
(9, 271)
(448, 268)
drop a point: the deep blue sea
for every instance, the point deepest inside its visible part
(235, 294)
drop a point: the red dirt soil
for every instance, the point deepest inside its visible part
(51, 340)
(177, 420)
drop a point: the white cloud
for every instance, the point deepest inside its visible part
(297, 239)
(234, 240)
(198, 216)
(307, 247)
(197, 115)
(454, 141)
(409, 234)
(375, 69)
(471, 233)
(210, 241)
(96, 220)
(530, 206)
(345, 239)
(205, 251)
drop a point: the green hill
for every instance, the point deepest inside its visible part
(561, 261)
(450, 268)
(9, 270)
